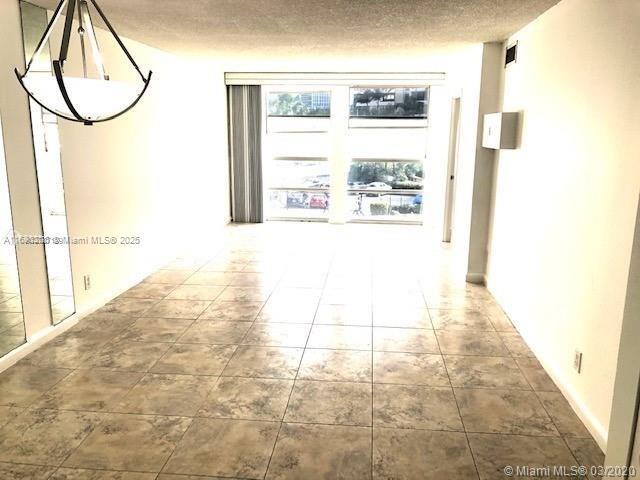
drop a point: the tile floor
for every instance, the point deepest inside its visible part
(291, 352)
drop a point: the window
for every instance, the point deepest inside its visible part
(299, 173)
(385, 189)
(298, 188)
(299, 104)
(393, 102)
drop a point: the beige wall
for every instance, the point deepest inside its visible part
(565, 202)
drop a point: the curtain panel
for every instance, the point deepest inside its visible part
(245, 153)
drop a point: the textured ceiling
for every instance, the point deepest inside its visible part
(231, 27)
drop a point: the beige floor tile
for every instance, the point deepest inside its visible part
(485, 372)
(493, 453)
(149, 290)
(182, 309)
(215, 333)
(409, 369)
(516, 345)
(160, 330)
(409, 340)
(21, 385)
(409, 406)
(170, 476)
(353, 314)
(248, 399)
(285, 311)
(194, 359)
(100, 326)
(395, 316)
(83, 474)
(503, 411)
(196, 292)
(266, 362)
(161, 394)
(171, 277)
(232, 311)
(321, 451)
(45, 437)
(420, 455)
(115, 444)
(89, 390)
(498, 318)
(335, 403)
(245, 294)
(346, 295)
(336, 365)
(278, 335)
(128, 356)
(463, 319)
(219, 278)
(66, 351)
(471, 343)
(252, 279)
(229, 448)
(340, 337)
(135, 307)
(10, 471)
(588, 454)
(536, 375)
(9, 413)
(563, 416)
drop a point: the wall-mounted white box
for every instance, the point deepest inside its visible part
(500, 130)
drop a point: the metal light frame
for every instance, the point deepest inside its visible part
(86, 26)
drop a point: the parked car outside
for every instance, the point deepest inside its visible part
(318, 201)
(377, 186)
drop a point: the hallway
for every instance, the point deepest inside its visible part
(292, 351)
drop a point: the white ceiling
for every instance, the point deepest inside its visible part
(352, 27)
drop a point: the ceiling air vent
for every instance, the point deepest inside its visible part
(511, 55)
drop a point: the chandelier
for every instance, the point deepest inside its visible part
(81, 99)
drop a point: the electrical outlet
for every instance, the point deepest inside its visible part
(577, 361)
(87, 282)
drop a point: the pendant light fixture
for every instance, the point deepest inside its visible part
(81, 99)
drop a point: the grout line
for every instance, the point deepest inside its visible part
(455, 399)
(296, 376)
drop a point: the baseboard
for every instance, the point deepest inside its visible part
(590, 421)
(600, 434)
(477, 278)
(46, 335)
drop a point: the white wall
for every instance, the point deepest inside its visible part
(565, 202)
(152, 173)
(158, 172)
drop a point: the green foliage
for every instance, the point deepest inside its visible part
(285, 104)
(378, 208)
(406, 209)
(395, 174)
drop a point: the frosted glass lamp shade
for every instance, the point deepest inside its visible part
(93, 99)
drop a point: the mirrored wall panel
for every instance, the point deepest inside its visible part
(46, 140)
(12, 333)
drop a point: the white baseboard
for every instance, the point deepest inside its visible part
(477, 278)
(46, 335)
(597, 430)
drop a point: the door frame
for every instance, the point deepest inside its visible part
(626, 397)
(454, 147)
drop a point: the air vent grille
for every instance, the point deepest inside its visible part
(511, 55)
